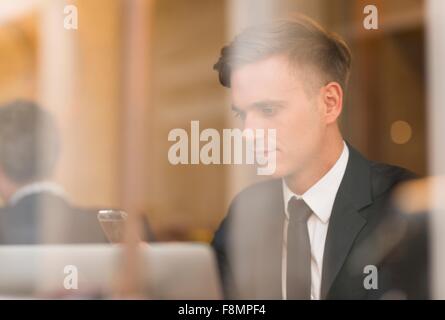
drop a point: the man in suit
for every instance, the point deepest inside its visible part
(313, 230)
(36, 210)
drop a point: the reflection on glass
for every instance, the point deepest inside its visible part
(113, 224)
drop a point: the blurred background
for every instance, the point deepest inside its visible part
(135, 69)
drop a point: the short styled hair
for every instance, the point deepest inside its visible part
(29, 141)
(305, 43)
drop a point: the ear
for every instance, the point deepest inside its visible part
(332, 96)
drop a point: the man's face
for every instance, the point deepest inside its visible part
(270, 94)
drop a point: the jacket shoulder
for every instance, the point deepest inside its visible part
(385, 177)
(254, 199)
(258, 196)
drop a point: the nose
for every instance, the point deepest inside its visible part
(251, 122)
(255, 130)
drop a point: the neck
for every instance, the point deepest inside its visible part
(318, 165)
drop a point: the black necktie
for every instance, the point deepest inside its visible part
(298, 251)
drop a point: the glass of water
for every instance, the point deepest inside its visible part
(113, 224)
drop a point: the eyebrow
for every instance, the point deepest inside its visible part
(268, 103)
(261, 104)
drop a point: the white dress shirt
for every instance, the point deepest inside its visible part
(37, 187)
(320, 198)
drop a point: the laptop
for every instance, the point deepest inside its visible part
(91, 271)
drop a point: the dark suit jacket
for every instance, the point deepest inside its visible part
(362, 231)
(45, 218)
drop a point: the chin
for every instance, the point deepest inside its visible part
(278, 173)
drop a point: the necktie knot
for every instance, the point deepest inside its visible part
(298, 209)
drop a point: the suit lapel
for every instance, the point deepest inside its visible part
(346, 223)
(344, 226)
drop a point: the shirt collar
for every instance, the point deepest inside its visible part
(37, 187)
(321, 196)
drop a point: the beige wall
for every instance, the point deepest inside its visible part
(187, 39)
(18, 50)
(80, 82)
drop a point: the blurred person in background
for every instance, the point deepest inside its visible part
(36, 210)
(314, 229)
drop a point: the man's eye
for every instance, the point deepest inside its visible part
(268, 110)
(238, 114)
